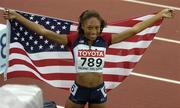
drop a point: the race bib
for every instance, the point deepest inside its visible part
(90, 60)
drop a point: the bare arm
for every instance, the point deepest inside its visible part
(165, 13)
(11, 14)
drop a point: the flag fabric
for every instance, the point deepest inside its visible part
(3, 48)
(37, 57)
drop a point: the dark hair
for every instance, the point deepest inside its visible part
(89, 14)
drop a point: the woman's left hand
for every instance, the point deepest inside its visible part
(167, 13)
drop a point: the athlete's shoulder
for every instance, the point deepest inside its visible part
(107, 37)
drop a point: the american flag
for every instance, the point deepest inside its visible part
(37, 57)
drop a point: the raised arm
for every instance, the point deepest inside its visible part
(165, 13)
(11, 14)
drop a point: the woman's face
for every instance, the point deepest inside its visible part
(91, 28)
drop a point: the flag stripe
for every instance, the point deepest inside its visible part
(137, 38)
(110, 51)
(56, 83)
(109, 58)
(64, 63)
(67, 55)
(67, 69)
(62, 76)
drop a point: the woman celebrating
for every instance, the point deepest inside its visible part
(88, 48)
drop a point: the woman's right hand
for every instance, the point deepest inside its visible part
(9, 14)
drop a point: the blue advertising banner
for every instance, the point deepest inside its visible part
(3, 48)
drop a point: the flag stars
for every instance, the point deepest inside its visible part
(37, 22)
(15, 38)
(53, 27)
(30, 38)
(97, 40)
(64, 27)
(22, 39)
(47, 22)
(18, 34)
(66, 23)
(40, 37)
(25, 33)
(51, 46)
(43, 18)
(32, 15)
(62, 46)
(35, 42)
(16, 24)
(21, 28)
(46, 41)
(32, 48)
(31, 18)
(58, 31)
(58, 23)
(27, 43)
(40, 46)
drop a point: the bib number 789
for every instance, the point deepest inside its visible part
(91, 62)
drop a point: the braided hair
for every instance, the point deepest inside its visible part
(89, 14)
